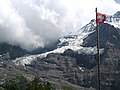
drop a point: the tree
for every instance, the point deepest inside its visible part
(36, 84)
(21, 83)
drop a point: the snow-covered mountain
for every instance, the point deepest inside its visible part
(74, 41)
(114, 19)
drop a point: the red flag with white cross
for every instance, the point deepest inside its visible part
(100, 18)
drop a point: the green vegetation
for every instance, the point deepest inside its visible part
(2, 88)
(36, 84)
(21, 83)
(67, 88)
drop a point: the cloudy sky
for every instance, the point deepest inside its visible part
(37, 23)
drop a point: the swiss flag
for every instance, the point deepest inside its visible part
(100, 18)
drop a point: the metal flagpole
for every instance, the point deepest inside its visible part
(98, 56)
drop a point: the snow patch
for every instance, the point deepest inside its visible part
(81, 69)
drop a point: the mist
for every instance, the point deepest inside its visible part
(32, 24)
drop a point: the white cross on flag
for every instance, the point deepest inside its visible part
(100, 18)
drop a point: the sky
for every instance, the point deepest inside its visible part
(31, 24)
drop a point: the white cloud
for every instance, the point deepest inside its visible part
(37, 23)
(13, 29)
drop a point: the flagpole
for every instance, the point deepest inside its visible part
(98, 56)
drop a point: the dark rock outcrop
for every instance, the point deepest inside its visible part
(107, 34)
(16, 51)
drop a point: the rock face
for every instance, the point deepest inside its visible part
(110, 63)
(60, 70)
(110, 67)
(110, 59)
(80, 68)
(55, 67)
(108, 33)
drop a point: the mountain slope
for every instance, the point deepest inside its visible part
(74, 59)
(79, 66)
(71, 41)
(107, 33)
(14, 51)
